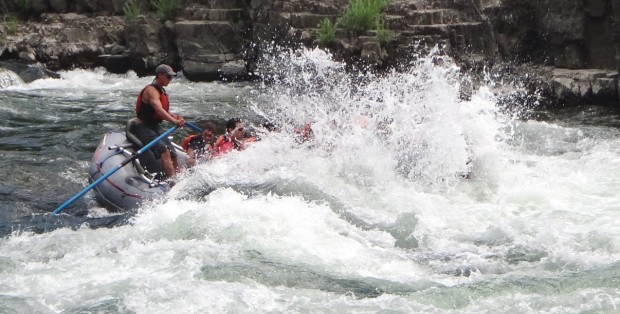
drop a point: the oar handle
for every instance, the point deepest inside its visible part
(119, 166)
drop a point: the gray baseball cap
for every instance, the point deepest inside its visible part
(166, 69)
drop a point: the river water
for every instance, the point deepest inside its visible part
(407, 200)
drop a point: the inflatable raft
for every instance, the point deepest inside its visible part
(132, 184)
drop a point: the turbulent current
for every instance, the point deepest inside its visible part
(408, 199)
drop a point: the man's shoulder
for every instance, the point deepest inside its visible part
(151, 89)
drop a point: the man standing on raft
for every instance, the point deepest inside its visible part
(152, 108)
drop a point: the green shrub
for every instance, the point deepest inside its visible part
(11, 24)
(166, 8)
(383, 34)
(131, 9)
(363, 15)
(327, 32)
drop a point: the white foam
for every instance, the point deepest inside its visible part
(377, 199)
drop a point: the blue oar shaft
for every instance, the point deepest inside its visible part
(119, 166)
(193, 126)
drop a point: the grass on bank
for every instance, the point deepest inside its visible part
(327, 32)
(166, 9)
(131, 9)
(385, 35)
(361, 15)
(11, 25)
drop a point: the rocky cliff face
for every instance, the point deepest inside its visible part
(572, 44)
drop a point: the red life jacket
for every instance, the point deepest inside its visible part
(146, 112)
(223, 145)
(186, 141)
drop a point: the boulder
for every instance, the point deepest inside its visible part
(585, 84)
(29, 72)
(118, 64)
(144, 37)
(209, 49)
(234, 69)
(149, 44)
(371, 52)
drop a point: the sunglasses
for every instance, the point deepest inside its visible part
(169, 76)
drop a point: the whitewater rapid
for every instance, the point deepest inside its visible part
(408, 199)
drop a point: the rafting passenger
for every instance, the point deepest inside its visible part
(301, 134)
(304, 133)
(152, 108)
(234, 138)
(200, 146)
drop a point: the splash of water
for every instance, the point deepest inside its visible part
(411, 123)
(9, 78)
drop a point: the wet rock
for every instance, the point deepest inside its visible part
(28, 55)
(371, 51)
(593, 84)
(201, 71)
(234, 69)
(36, 72)
(29, 72)
(118, 64)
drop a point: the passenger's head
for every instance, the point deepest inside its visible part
(235, 127)
(232, 124)
(270, 126)
(208, 131)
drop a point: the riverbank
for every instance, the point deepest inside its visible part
(562, 52)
